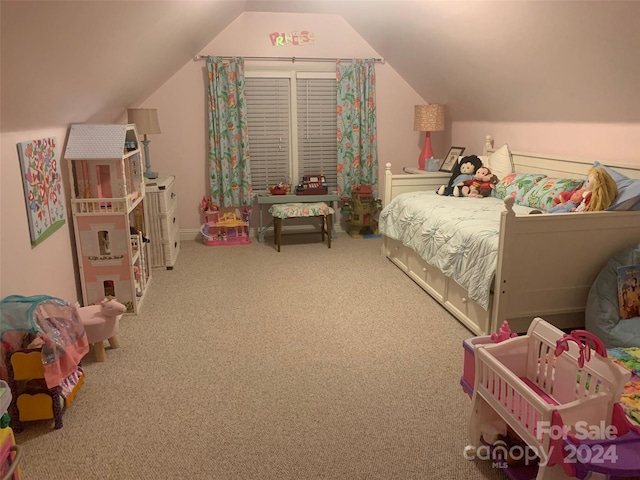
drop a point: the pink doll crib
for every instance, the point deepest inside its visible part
(560, 398)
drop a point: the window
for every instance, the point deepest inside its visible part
(291, 117)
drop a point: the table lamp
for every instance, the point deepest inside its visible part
(146, 120)
(427, 118)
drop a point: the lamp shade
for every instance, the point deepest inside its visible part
(146, 120)
(428, 118)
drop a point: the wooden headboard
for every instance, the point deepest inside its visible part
(558, 167)
(550, 165)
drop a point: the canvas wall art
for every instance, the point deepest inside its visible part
(43, 190)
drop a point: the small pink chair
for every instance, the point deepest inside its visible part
(101, 322)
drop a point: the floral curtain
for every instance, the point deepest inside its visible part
(356, 135)
(229, 169)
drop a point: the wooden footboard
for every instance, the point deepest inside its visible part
(546, 263)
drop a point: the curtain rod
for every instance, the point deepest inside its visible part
(287, 59)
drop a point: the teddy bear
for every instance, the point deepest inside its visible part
(479, 186)
(462, 170)
(567, 201)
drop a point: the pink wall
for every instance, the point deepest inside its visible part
(181, 148)
(607, 142)
(49, 268)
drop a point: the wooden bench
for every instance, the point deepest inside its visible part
(282, 211)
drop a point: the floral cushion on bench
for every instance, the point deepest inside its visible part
(290, 210)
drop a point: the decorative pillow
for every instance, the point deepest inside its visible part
(516, 185)
(541, 196)
(500, 162)
(628, 190)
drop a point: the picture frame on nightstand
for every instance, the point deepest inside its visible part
(450, 160)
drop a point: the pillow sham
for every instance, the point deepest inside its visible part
(628, 190)
(500, 162)
(516, 185)
(541, 195)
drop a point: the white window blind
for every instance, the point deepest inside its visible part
(268, 119)
(291, 120)
(316, 99)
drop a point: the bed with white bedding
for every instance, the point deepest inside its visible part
(487, 260)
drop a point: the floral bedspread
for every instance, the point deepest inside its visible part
(458, 235)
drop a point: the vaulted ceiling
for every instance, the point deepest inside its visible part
(523, 61)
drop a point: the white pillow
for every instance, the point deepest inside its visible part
(500, 162)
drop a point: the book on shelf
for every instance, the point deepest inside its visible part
(629, 291)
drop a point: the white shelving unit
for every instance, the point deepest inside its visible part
(108, 196)
(162, 213)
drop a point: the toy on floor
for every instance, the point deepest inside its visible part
(364, 211)
(225, 225)
(559, 394)
(43, 342)
(102, 322)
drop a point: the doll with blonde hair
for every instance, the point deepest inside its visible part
(600, 191)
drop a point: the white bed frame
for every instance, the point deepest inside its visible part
(546, 263)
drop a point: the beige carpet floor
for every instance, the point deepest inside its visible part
(246, 363)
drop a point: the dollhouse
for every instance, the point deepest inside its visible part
(107, 202)
(225, 226)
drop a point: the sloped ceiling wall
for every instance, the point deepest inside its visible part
(539, 61)
(66, 62)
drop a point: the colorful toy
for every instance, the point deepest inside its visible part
(504, 333)
(479, 186)
(226, 226)
(567, 201)
(462, 171)
(46, 377)
(600, 191)
(560, 396)
(363, 221)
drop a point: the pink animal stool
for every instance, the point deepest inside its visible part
(101, 322)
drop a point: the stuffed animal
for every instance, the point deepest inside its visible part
(479, 186)
(107, 308)
(567, 201)
(462, 171)
(600, 191)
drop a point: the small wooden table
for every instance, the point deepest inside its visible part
(268, 199)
